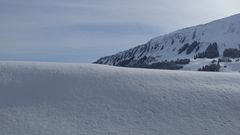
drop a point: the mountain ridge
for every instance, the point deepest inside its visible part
(197, 39)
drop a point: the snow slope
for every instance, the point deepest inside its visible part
(77, 99)
(194, 65)
(225, 32)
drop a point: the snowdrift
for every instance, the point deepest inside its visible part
(86, 99)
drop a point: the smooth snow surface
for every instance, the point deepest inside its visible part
(75, 99)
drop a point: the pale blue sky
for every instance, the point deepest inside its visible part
(84, 30)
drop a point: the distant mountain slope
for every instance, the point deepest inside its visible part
(74, 99)
(203, 41)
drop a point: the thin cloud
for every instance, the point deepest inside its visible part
(55, 30)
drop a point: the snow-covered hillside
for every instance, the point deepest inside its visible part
(75, 99)
(183, 44)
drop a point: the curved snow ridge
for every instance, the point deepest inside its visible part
(87, 99)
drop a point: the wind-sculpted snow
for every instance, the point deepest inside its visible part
(78, 99)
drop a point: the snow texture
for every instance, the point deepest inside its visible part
(77, 99)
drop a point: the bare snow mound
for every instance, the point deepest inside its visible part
(75, 99)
